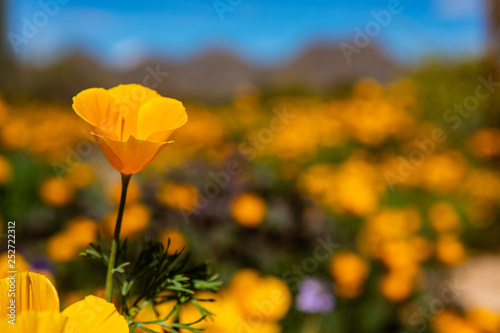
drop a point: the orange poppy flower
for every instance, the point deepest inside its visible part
(130, 122)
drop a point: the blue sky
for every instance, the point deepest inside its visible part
(261, 31)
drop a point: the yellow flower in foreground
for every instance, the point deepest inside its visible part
(130, 122)
(37, 310)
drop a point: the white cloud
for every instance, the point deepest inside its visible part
(126, 53)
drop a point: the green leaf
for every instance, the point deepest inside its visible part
(180, 289)
(119, 268)
(148, 329)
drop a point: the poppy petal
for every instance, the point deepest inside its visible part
(159, 117)
(129, 157)
(101, 110)
(93, 314)
(36, 322)
(131, 97)
(33, 292)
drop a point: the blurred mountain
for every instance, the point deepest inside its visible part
(322, 67)
(211, 77)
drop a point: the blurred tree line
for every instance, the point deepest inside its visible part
(492, 58)
(21, 81)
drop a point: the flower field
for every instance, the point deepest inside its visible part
(374, 208)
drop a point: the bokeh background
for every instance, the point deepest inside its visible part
(339, 168)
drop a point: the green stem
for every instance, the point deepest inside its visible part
(116, 239)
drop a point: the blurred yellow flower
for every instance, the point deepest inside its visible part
(398, 254)
(4, 114)
(227, 316)
(20, 263)
(56, 192)
(371, 115)
(133, 193)
(5, 170)
(316, 181)
(131, 123)
(243, 280)
(151, 312)
(195, 131)
(248, 209)
(82, 230)
(396, 285)
(355, 187)
(48, 131)
(422, 246)
(485, 142)
(444, 218)
(136, 219)
(480, 212)
(60, 248)
(450, 250)
(37, 310)
(443, 172)
(268, 299)
(81, 175)
(349, 272)
(177, 241)
(77, 234)
(449, 322)
(356, 192)
(251, 303)
(482, 184)
(484, 320)
(385, 226)
(182, 197)
(299, 138)
(16, 134)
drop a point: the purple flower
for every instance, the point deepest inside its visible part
(41, 264)
(314, 297)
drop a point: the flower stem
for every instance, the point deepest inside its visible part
(116, 239)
